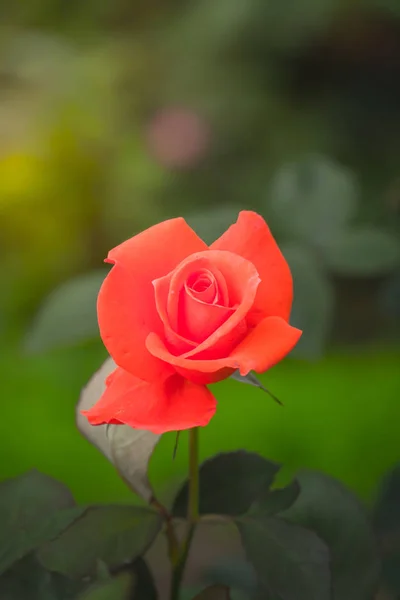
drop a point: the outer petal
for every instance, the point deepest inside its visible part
(265, 346)
(171, 405)
(251, 238)
(126, 305)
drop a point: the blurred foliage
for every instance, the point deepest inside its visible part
(202, 109)
(116, 114)
(318, 543)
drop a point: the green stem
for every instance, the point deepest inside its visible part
(193, 507)
(173, 544)
(193, 513)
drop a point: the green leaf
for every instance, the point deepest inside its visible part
(387, 507)
(215, 592)
(144, 587)
(251, 379)
(291, 562)
(335, 514)
(118, 588)
(278, 500)
(33, 509)
(365, 252)
(114, 534)
(68, 315)
(128, 449)
(313, 301)
(313, 199)
(28, 580)
(229, 483)
(235, 573)
(211, 224)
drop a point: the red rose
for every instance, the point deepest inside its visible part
(176, 315)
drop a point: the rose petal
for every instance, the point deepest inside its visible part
(171, 405)
(265, 346)
(237, 281)
(168, 288)
(241, 279)
(126, 306)
(219, 285)
(174, 340)
(203, 286)
(198, 320)
(202, 372)
(251, 238)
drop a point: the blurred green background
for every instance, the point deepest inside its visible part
(117, 114)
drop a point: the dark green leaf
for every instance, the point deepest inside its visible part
(143, 587)
(236, 574)
(291, 562)
(28, 580)
(251, 379)
(113, 534)
(387, 525)
(313, 302)
(313, 199)
(334, 513)
(33, 509)
(215, 592)
(278, 500)
(363, 252)
(387, 507)
(229, 483)
(118, 588)
(68, 316)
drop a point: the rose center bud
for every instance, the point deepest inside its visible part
(204, 305)
(203, 286)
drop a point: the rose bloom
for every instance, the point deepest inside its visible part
(177, 315)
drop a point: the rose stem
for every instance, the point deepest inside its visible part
(173, 544)
(193, 508)
(193, 511)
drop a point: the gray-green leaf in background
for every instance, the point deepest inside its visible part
(68, 315)
(313, 301)
(363, 251)
(33, 509)
(312, 199)
(211, 224)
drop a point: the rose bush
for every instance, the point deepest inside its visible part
(176, 315)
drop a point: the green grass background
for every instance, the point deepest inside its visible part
(340, 415)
